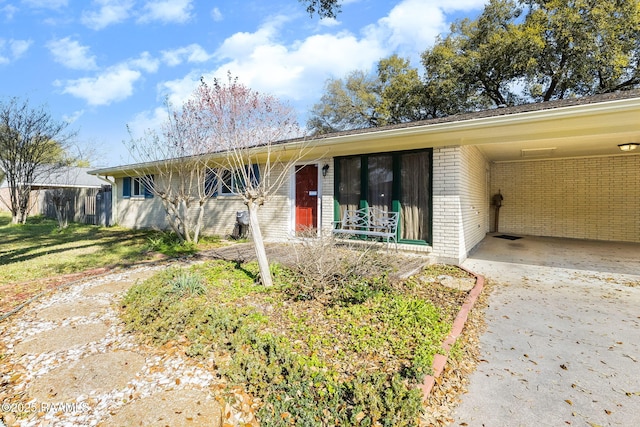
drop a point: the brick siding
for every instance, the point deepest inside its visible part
(586, 198)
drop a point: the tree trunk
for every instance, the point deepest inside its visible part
(261, 253)
(198, 226)
(61, 217)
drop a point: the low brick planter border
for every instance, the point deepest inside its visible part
(440, 360)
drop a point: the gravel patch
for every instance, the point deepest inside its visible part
(96, 369)
(116, 287)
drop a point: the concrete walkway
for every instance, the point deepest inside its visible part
(562, 345)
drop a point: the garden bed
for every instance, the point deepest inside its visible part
(351, 352)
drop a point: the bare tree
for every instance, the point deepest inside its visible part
(224, 136)
(32, 145)
(173, 167)
(244, 127)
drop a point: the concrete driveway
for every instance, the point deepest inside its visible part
(562, 345)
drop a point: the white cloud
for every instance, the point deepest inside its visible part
(413, 25)
(108, 12)
(71, 118)
(11, 50)
(145, 62)
(193, 53)
(176, 92)
(145, 120)
(413, 22)
(298, 70)
(72, 54)
(114, 84)
(166, 11)
(45, 4)
(19, 47)
(216, 15)
(462, 5)
(329, 22)
(8, 11)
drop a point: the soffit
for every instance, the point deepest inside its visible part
(584, 130)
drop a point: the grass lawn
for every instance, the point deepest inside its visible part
(34, 254)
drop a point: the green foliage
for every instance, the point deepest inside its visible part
(170, 244)
(407, 327)
(361, 100)
(308, 367)
(174, 302)
(188, 283)
(539, 50)
(324, 8)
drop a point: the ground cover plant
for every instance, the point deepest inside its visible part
(35, 254)
(311, 355)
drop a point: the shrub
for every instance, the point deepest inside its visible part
(168, 243)
(322, 269)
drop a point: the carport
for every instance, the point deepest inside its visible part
(562, 343)
(565, 171)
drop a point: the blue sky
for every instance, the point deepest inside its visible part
(106, 64)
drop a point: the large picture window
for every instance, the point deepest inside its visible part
(398, 182)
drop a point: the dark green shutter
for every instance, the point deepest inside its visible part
(126, 187)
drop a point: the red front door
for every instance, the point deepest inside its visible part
(306, 197)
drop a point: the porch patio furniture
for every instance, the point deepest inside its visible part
(368, 222)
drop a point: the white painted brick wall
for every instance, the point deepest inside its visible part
(460, 201)
(276, 216)
(474, 196)
(446, 204)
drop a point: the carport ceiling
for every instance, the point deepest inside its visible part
(591, 130)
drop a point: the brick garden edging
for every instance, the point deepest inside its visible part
(439, 360)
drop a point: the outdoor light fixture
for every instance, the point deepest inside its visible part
(325, 169)
(629, 146)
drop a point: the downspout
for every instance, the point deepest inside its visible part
(114, 197)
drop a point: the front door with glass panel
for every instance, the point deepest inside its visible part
(306, 198)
